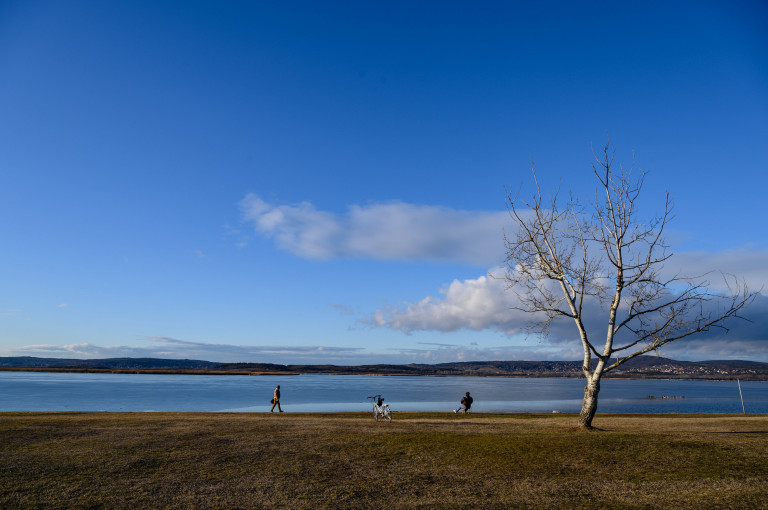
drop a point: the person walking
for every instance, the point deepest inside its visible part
(466, 404)
(276, 400)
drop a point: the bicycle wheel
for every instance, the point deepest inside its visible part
(387, 414)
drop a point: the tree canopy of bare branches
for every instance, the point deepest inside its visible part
(565, 255)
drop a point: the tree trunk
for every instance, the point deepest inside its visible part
(589, 406)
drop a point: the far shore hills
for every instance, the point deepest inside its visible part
(641, 367)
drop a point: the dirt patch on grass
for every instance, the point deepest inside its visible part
(191, 460)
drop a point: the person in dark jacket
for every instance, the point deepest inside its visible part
(276, 400)
(466, 404)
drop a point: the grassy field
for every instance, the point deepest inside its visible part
(427, 460)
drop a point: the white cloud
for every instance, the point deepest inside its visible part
(401, 231)
(385, 231)
(476, 304)
(482, 303)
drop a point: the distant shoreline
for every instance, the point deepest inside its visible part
(537, 375)
(640, 367)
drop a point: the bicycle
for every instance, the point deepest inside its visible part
(380, 409)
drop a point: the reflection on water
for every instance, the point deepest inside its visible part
(40, 391)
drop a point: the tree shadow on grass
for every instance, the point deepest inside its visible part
(578, 428)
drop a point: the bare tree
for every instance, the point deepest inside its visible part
(564, 260)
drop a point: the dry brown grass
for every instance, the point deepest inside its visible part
(420, 460)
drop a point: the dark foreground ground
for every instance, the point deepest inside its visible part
(427, 460)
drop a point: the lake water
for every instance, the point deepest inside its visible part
(50, 391)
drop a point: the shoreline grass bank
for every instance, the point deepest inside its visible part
(346, 460)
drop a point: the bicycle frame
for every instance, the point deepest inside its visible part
(380, 410)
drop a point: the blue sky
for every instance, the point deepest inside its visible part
(318, 182)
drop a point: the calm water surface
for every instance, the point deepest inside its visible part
(45, 391)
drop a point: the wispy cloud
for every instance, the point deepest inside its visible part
(384, 231)
(14, 314)
(472, 352)
(78, 350)
(749, 264)
(254, 353)
(425, 352)
(341, 308)
(166, 347)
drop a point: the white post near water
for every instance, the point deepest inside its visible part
(743, 411)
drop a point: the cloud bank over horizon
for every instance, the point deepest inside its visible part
(166, 347)
(484, 303)
(171, 348)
